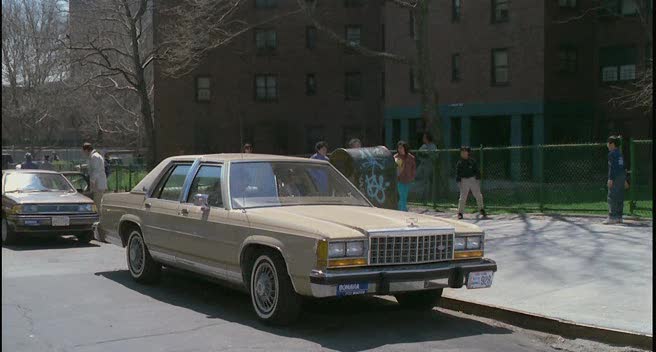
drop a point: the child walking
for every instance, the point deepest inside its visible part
(468, 177)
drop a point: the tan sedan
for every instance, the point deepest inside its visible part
(283, 228)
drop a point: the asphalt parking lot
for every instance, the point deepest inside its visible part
(58, 295)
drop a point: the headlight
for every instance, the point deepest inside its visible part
(355, 249)
(86, 208)
(336, 249)
(29, 208)
(459, 243)
(16, 209)
(473, 242)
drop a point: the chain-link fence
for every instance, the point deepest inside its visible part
(544, 178)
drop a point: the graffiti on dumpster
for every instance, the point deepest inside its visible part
(372, 178)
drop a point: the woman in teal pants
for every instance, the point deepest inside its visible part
(406, 170)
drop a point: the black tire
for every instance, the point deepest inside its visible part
(419, 300)
(8, 235)
(141, 265)
(285, 305)
(85, 237)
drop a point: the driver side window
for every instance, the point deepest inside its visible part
(207, 181)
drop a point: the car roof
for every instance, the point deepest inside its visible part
(241, 156)
(30, 171)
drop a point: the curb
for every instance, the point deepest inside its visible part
(564, 328)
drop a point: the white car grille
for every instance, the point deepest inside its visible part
(411, 249)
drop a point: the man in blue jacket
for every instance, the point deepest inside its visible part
(616, 178)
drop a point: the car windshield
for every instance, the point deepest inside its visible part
(268, 184)
(36, 182)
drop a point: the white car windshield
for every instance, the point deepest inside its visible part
(269, 184)
(36, 182)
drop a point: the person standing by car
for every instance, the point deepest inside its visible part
(468, 177)
(28, 163)
(97, 177)
(355, 143)
(46, 164)
(319, 176)
(406, 171)
(247, 148)
(108, 167)
(616, 180)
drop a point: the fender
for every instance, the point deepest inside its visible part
(269, 242)
(131, 218)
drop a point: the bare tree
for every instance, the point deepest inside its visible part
(112, 50)
(33, 68)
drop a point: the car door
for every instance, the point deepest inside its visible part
(205, 233)
(79, 181)
(161, 208)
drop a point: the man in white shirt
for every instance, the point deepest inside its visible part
(97, 177)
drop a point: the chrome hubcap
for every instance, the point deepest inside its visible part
(265, 288)
(135, 254)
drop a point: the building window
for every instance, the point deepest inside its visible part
(621, 7)
(572, 4)
(352, 35)
(266, 4)
(568, 60)
(353, 86)
(353, 3)
(414, 82)
(310, 84)
(266, 87)
(499, 11)
(500, 67)
(310, 37)
(455, 67)
(265, 40)
(456, 8)
(203, 91)
(618, 64)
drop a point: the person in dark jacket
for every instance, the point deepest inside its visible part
(616, 179)
(28, 163)
(468, 177)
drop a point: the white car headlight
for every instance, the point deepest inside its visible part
(355, 249)
(336, 250)
(459, 243)
(473, 242)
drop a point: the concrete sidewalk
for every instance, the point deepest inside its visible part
(569, 268)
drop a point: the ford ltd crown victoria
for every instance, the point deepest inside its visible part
(284, 229)
(44, 203)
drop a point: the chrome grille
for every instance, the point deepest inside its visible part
(410, 249)
(58, 208)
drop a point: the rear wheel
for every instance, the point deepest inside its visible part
(142, 267)
(272, 294)
(419, 300)
(8, 234)
(85, 237)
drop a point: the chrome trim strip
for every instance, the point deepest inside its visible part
(175, 231)
(204, 269)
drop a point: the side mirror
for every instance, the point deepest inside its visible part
(202, 201)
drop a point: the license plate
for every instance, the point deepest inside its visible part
(480, 279)
(352, 289)
(61, 221)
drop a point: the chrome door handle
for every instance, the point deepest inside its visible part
(147, 205)
(184, 211)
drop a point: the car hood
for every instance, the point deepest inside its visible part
(330, 221)
(47, 197)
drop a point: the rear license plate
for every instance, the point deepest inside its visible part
(61, 221)
(480, 279)
(352, 289)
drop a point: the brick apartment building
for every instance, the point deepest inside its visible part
(521, 72)
(508, 73)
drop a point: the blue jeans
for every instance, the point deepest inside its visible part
(404, 189)
(616, 198)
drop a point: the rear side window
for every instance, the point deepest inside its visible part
(207, 181)
(171, 188)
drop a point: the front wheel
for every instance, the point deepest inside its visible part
(142, 267)
(273, 296)
(419, 300)
(8, 234)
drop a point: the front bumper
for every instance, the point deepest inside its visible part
(38, 223)
(404, 278)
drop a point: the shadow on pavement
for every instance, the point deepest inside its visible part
(349, 325)
(42, 243)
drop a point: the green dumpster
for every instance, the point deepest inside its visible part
(372, 170)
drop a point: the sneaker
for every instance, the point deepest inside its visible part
(483, 213)
(610, 221)
(459, 216)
